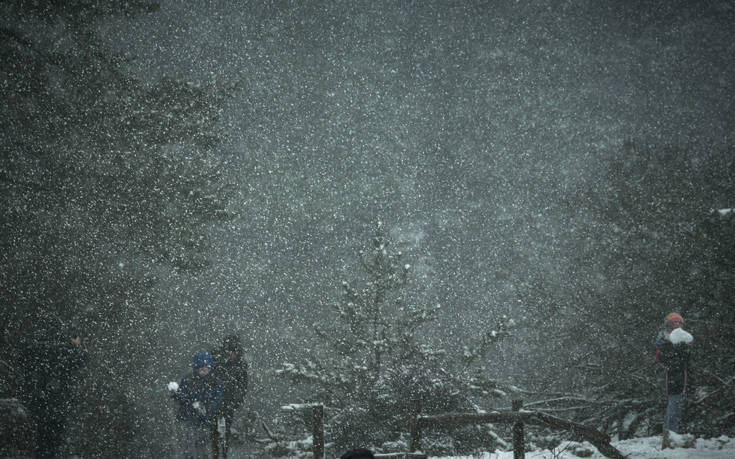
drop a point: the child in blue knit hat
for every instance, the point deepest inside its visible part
(199, 398)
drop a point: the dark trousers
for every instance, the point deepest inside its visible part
(219, 447)
(50, 428)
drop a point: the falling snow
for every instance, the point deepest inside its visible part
(319, 177)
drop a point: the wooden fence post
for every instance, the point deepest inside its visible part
(519, 451)
(415, 427)
(317, 430)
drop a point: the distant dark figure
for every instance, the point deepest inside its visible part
(199, 399)
(360, 453)
(673, 353)
(16, 429)
(231, 370)
(52, 360)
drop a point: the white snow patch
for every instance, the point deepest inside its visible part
(298, 406)
(683, 447)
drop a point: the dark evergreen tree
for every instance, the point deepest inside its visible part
(107, 184)
(712, 318)
(647, 242)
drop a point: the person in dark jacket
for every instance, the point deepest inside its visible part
(673, 353)
(199, 398)
(232, 371)
(53, 360)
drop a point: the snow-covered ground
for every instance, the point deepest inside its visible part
(683, 447)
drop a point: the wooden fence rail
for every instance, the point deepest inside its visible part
(401, 456)
(517, 418)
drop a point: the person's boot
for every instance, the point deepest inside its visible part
(666, 443)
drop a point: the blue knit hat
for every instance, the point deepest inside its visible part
(202, 359)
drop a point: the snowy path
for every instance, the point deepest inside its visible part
(644, 448)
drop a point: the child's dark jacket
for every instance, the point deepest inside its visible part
(199, 399)
(675, 359)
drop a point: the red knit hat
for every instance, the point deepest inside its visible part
(674, 317)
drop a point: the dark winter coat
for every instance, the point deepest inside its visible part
(204, 391)
(50, 368)
(233, 374)
(675, 359)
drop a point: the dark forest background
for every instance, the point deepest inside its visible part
(559, 177)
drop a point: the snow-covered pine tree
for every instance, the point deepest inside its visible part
(378, 360)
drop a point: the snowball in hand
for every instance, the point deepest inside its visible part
(173, 386)
(679, 335)
(201, 409)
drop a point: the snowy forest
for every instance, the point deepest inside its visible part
(455, 203)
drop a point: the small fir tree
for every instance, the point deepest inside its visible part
(377, 364)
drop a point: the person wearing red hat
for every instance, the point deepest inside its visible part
(675, 320)
(673, 353)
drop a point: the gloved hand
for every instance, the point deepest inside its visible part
(199, 408)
